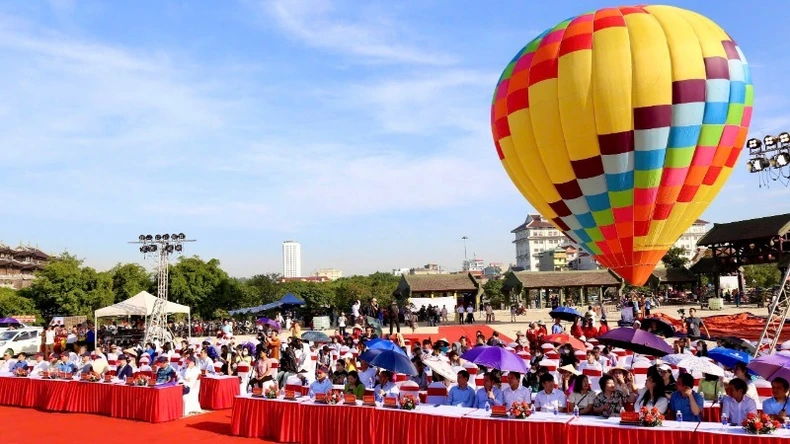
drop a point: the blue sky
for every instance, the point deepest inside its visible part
(359, 129)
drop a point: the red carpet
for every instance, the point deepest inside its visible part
(28, 425)
(453, 332)
(742, 325)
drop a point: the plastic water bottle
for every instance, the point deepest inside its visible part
(678, 416)
(556, 410)
(721, 398)
(576, 411)
(488, 407)
(311, 394)
(725, 421)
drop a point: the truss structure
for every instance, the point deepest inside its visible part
(162, 245)
(777, 315)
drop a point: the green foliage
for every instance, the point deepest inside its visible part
(674, 258)
(130, 279)
(12, 304)
(493, 293)
(761, 276)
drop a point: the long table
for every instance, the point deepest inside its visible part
(149, 404)
(217, 392)
(302, 421)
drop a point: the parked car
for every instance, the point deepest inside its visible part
(26, 340)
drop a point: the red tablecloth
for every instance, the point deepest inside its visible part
(157, 404)
(272, 420)
(49, 395)
(637, 435)
(338, 424)
(413, 427)
(493, 430)
(739, 438)
(218, 393)
(86, 397)
(15, 392)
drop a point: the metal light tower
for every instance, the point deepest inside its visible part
(466, 259)
(163, 245)
(770, 159)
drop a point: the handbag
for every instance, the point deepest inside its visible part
(186, 389)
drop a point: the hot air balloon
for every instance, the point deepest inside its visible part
(621, 125)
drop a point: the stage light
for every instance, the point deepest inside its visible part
(179, 248)
(158, 237)
(141, 237)
(781, 160)
(769, 141)
(753, 144)
(149, 237)
(182, 236)
(784, 138)
(165, 236)
(174, 236)
(169, 248)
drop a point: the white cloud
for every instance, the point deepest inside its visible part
(371, 37)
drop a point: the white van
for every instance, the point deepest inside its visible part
(26, 340)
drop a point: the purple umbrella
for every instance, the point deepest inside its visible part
(271, 323)
(771, 366)
(638, 341)
(499, 358)
(474, 352)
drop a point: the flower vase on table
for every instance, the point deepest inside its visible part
(761, 424)
(333, 397)
(650, 417)
(94, 377)
(21, 373)
(141, 381)
(520, 410)
(271, 392)
(408, 402)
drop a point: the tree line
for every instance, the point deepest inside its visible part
(66, 287)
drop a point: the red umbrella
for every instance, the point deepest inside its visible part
(565, 338)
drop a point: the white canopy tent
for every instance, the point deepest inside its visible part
(141, 304)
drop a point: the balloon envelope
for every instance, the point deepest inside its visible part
(620, 126)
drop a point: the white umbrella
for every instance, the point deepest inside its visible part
(674, 358)
(442, 367)
(702, 365)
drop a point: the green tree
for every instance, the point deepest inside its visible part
(260, 289)
(202, 285)
(130, 279)
(65, 287)
(761, 276)
(492, 291)
(12, 304)
(674, 258)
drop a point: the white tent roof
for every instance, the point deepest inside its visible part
(141, 304)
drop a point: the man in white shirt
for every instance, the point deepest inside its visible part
(737, 406)
(40, 366)
(549, 398)
(367, 374)
(49, 339)
(515, 392)
(591, 362)
(386, 388)
(204, 362)
(460, 310)
(355, 310)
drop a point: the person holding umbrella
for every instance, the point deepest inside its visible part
(776, 406)
(386, 388)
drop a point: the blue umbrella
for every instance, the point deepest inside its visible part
(369, 355)
(394, 362)
(383, 344)
(565, 313)
(729, 357)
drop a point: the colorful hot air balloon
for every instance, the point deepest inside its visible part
(621, 125)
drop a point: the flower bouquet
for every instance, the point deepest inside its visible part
(408, 402)
(760, 424)
(333, 397)
(271, 392)
(94, 377)
(141, 380)
(520, 410)
(650, 417)
(20, 372)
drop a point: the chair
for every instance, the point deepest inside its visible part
(479, 380)
(275, 365)
(640, 372)
(552, 355)
(293, 383)
(218, 368)
(410, 388)
(428, 375)
(594, 375)
(175, 361)
(763, 390)
(243, 371)
(437, 393)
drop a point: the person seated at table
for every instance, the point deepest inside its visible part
(386, 388)
(742, 373)
(665, 372)
(263, 372)
(737, 405)
(353, 385)
(582, 396)
(711, 387)
(777, 404)
(624, 382)
(86, 366)
(21, 362)
(686, 400)
(549, 398)
(568, 374)
(489, 394)
(461, 395)
(205, 363)
(7, 363)
(610, 400)
(653, 395)
(65, 365)
(322, 383)
(338, 376)
(367, 374)
(124, 370)
(164, 373)
(40, 366)
(422, 378)
(515, 391)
